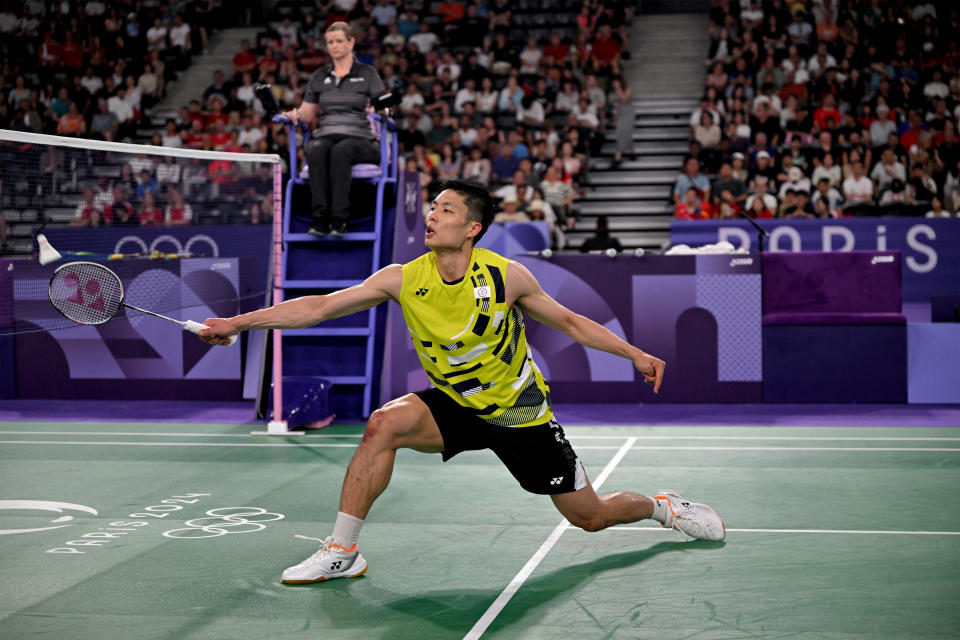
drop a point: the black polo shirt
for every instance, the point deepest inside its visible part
(344, 100)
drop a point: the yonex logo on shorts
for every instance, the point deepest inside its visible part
(557, 480)
(421, 292)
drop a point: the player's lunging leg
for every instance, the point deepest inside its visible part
(402, 423)
(590, 512)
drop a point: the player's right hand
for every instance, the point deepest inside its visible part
(218, 331)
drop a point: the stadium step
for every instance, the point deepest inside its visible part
(651, 148)
(631, 177)
(653, 163)
(678, 122)
(588, 208)
(617, 224)
(662, 134)
(646, 240)
(628, 192)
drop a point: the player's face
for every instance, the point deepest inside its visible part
(448, 226)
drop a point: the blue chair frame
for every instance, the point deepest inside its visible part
(382, 174)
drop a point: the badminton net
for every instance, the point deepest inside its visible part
(157, 215)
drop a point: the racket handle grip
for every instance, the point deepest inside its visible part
(195, 327)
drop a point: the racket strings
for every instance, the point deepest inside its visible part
(86, 292)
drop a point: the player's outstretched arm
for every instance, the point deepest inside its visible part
(524, 290)
(310, 310)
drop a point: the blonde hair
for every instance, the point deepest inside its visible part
(341, 26)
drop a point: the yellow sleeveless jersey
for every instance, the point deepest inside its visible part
(471, 344)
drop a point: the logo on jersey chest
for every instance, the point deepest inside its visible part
(421, 292)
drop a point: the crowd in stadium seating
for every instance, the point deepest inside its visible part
(494, 91)
(92, 68)
(826, 109)
(499, 93)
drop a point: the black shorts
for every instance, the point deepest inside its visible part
(539, 457)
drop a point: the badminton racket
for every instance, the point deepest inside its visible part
(90, 293)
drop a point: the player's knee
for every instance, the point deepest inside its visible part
(589, 524)
(382, 426)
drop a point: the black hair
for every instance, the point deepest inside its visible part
(481, 206)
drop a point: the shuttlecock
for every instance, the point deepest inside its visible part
(47, 253)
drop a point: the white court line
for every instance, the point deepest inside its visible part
(848, 531)
(569, 436)
(541, 553)
(245, 434)
(649, 448)
(95, 443)
(788, 438)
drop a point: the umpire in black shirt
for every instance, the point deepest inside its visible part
(342, 135)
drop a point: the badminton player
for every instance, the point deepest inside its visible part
(464, 309)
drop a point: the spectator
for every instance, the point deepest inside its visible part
(728, 187)
(757, 208)
(761, 184)
(691, 177)
(168, 172)
(826, 191)
(178, 211)
(504, 164)
(180, 41)
(887, 170)
(796, 182)
(707, 132)
(157, 36)
(425, 40)
(829, 170)
(559, 195)
(516, 189)
(477, 168)
(510, 211)
(149, 85)
(692, 207)
(858, 188)
(937, 210)
(105, 122)
(120, 211)
(147, 184)
(245, 60)
(72, 123)
(88, 212)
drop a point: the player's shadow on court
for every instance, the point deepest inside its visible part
(459, 609)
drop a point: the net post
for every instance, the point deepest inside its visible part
(277, 426)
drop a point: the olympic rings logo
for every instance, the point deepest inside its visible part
(225, 520)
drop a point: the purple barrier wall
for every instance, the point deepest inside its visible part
(132, 356)
(699, 313)
(930, 247)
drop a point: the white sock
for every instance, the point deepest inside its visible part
(661, 510)
(346, 531)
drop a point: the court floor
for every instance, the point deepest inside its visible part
(181, 531)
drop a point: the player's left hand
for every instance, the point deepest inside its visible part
(652, 369)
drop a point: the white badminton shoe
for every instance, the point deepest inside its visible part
(329, 562)
(695, 519)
